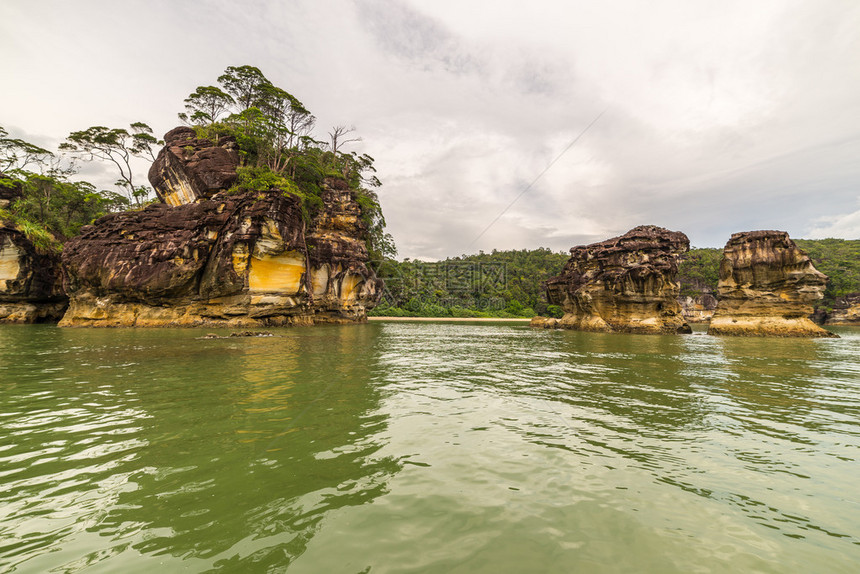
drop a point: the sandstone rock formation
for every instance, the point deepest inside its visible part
(846, 311)
(768, 287)
(189, 168)
(698, 309)
(244, 259)
(627, 284)
(30, 282)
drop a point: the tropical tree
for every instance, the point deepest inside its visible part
(63, 206)
(117, 146)
(246, 84)
(206, 104)
(274, 135)
(17, 154)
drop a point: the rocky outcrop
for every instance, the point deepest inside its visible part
(189, 168)
(768, 287)
(846, 311)
(627, 284)
(30, 281)
(698, 308)
(239, 259)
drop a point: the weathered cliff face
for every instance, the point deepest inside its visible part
(30, 282)
(245, 259)
(188, 168)
(846, 311)
(698, 309)
(627, 284)
(768, 287)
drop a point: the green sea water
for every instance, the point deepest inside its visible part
(427, 447)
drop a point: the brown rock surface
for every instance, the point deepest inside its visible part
(30, 282)
(768, 287)
(627, 284)
(245, 259)
(698, 309)
(846, 311)
(189, 168)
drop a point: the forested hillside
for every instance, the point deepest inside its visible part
(496, 284)
(509, 283)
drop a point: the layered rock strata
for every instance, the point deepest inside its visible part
(846, 311)
(627, 284)
(768, 287)
(698, 309)
(245, 259)
(30, 281)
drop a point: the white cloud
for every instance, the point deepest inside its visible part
(840, 226)
(721, 117)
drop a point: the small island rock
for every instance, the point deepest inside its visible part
(627, 284)
(212, 257)
(768, 287)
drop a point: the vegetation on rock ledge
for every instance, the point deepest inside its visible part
(274, 134)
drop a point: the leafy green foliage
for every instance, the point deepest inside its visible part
(17, 154)
(206, 104)
(52, 207)
(42, 239)
(117, 146)
(273, 132)
(497, 284)
(63, 206)
(839, 259)
(699, 271)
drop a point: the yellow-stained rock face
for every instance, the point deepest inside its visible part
(348, 288)
(237, 258)
(767, 287)
(282, 273)
(180, 192)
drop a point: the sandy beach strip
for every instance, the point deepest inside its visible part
(446, 319)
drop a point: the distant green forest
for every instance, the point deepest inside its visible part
(509, 283)
(496, 284)
(839, 259)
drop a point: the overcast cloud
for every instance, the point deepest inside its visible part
(719, 116)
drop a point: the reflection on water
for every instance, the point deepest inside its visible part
(228, 451)
(401, 447)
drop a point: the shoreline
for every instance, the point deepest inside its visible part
(458, 319)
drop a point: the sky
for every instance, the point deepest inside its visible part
(705, 117)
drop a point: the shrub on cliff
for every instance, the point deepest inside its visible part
(274, 134)
(42, 200)
(699, 271)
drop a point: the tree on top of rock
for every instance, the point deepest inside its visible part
(273, 131)
(246, 84)
(206, 104)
